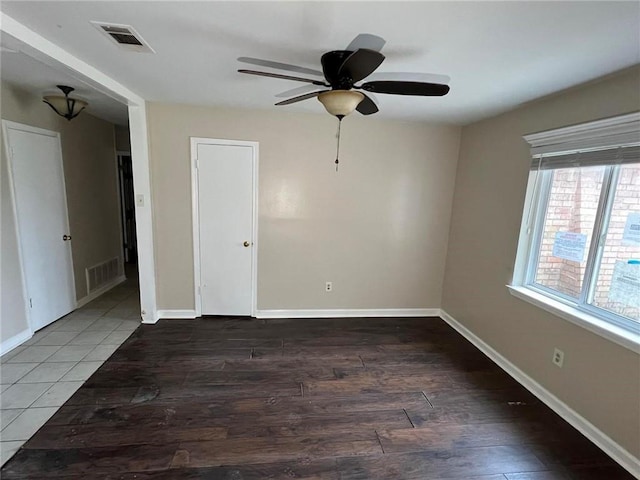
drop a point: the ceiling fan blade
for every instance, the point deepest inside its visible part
(368, 41)
(284, 77)
(281, 66)
(297, 91)
(300, 98)
(407, 88)
(367, 106)
(360, 64)
(409, 77)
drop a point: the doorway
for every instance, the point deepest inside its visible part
(39, 196)
(127, 210)
(224, 186)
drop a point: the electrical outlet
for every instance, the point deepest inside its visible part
(558, 357)
(328, 287)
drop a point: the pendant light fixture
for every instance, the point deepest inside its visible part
(65, 106)
(340, 103)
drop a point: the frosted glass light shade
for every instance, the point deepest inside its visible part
(60, 104)
(65, 106)
(340, 102)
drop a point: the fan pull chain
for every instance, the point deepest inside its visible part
(338, 147)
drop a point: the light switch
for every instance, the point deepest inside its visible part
(140, 200)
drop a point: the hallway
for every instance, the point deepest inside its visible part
(40, 375)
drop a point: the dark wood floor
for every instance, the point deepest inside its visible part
(223, 398)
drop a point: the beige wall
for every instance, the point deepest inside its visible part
(377, 228)
(600, 380)
(88, 151)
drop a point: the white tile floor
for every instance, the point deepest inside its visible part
(43, 373)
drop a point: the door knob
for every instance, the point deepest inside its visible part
(66, 238)
(246, 244)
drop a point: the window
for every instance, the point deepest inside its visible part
(580, 237)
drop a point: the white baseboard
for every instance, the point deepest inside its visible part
(176, 314)
(15, 341)
(93, 295)
(610, 447)
(402, 312)
(391, 312)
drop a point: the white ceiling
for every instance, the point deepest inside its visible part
(498, 54)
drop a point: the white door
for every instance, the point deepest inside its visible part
(225, 209)
(35, 161)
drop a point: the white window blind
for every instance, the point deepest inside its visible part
(593, 158)
(588, 138)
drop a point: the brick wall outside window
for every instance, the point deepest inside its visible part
(572, 207)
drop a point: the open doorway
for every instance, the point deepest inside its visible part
(126, 194)
(64, 237)
(127, 210)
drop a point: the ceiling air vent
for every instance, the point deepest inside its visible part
(124, 36)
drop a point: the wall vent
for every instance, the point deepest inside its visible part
(101, 274)
(124, 36)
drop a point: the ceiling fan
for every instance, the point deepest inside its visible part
(337, 86)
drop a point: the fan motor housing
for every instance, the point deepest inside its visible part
(331, 63)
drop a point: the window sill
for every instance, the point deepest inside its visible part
(604, 329)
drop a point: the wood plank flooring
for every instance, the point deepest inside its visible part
(235, 398)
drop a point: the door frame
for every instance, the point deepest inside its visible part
(195, 217)
(6, 126)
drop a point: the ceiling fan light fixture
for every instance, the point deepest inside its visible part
(65, 106)
(340, 103)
